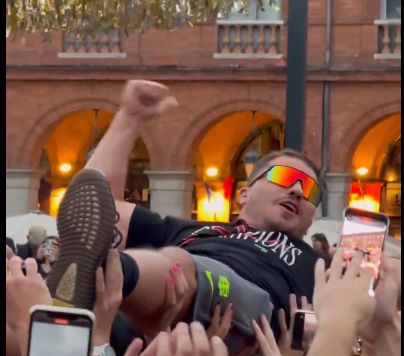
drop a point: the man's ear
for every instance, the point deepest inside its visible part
(243, 196)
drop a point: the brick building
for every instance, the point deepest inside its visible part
(229, 77)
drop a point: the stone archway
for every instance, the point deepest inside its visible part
(353, 133)
(29, 150)
(200, 124)
(216, 135)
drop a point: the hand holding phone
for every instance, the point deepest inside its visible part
(60, 331)
(366, 232)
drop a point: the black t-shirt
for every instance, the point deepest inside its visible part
(277, 263)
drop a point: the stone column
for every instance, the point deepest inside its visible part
(22, 186)
(338, 187)
(171, 192)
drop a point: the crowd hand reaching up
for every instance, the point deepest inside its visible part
(108, 297)
(340, 304)
(145, 99)
(265, 340)
(385, 318)
(285, 340)
(176, 290)
(23, 292)
(221, 324)
(184, 340)
(349, 292)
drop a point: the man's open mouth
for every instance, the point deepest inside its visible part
(290, 206)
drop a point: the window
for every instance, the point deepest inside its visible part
(270, 10)
(391, 9)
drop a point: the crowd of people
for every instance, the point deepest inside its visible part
(183, 287)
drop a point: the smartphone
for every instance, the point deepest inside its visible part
(48, 246)
(364, 231)
(304, 326)
(60, 331)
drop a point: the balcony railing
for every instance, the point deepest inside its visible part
(249, 39)
(389, 39)
(108, 43)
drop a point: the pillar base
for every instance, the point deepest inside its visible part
(22, 186)
(171, 193)
(338, 187)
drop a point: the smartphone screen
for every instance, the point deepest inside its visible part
(59, 334)
(366, 232)
(304, 329)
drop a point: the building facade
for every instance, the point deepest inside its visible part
(229, 77)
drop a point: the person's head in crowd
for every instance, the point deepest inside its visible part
(282, 193)
(320, 244)
(36, 235)
(49, 250)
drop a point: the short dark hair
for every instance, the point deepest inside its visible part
(263, 163)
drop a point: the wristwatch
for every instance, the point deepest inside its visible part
(104, 350)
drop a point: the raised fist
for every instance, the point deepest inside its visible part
(146, 99)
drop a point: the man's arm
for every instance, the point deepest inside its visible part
(141, 100)
(112, 153)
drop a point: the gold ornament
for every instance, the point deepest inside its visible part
(90, 16)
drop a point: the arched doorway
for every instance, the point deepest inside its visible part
(67, 150)
(376, 164)
(219, 161)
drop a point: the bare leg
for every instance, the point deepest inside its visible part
(143, 305)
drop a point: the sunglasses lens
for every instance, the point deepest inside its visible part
(287, 176)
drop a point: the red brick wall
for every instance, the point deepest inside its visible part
(362, 89)
(354, 38)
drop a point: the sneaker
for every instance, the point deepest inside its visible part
(86, 225)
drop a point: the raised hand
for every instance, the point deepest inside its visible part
(23, 291)
(265, 338)
(349, 292)
(146, 99)
(285, 340)
(221, 324)
(387, 295)
(176, 290)
(184, 340)
(108, 297)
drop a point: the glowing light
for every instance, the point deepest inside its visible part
(56, 197)
(364, 202)
(212, 172)
(391, 177)
(362, 171)
(214, 209)
(65, 167)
